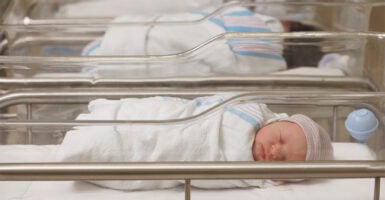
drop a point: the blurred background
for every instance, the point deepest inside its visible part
(377, 18)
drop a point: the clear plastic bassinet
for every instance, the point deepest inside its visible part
(29, 143)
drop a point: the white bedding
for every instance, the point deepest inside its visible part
(352, 189)
(249, 56)
(110, 8)
(233, 56)
(220, 57)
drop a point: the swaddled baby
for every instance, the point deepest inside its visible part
(232, 132)
(221, 56)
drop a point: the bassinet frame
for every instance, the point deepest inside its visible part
(181, 170)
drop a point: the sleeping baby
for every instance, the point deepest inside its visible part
(221, 56)
(213, 52)
(225, 130)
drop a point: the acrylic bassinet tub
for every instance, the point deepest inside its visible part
(29, 142)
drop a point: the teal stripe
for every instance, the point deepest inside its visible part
(90, 50)
(213, 19)
(257, 54)
(246, 29)
(240, 13)
(245, 117)
(218, 22)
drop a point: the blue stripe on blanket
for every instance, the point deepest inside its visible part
(167, 98)
(251, 120)
(213, 100)
(258, 54)
(238, 28)
(207, 102)
(246, 16)
(214, 20)
(246, 29)
(92, 48)
(240, 13)
(246, 22)
(218, 22)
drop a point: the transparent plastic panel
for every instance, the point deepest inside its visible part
(153, 34)
(328, 60)
(348, 15)
(25, 115)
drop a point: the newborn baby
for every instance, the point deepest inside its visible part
(221, 56)
(230, 131)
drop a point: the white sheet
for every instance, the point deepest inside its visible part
(352, 189)
(19, 154)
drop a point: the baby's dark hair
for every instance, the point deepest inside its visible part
(301, 55)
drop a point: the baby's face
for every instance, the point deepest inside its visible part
(280, 141)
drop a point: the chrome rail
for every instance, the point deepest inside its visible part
(194, 170)
(185, 54)
(209, 81)
(191, 170)
(81, 95)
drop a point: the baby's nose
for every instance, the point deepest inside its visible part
(276, 152)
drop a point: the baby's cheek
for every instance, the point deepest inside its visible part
(296, 156)
(254, 152)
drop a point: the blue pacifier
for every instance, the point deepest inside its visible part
(361, 124)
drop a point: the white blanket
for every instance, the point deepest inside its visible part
(109, 8)
(224, 135)
(229, 56)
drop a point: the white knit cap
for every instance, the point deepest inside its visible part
(319, 146)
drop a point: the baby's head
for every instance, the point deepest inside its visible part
(295, 138)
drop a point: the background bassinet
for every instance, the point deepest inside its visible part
(40, 45)
(43, 90)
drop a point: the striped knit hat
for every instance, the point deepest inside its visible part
(319, 146)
